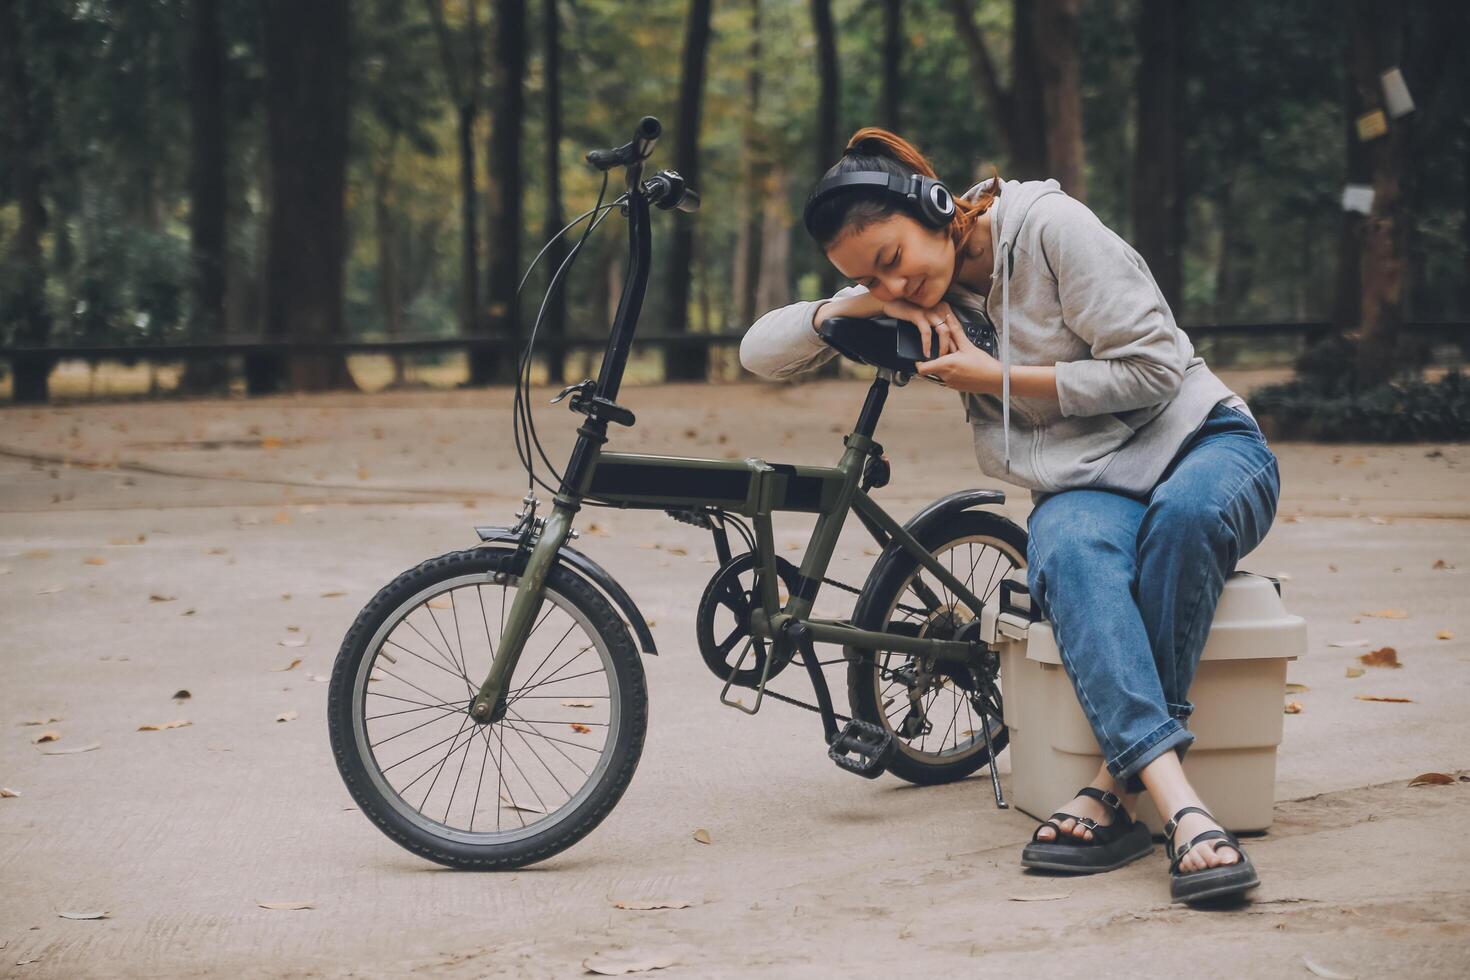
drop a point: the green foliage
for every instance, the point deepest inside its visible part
(1401, 411)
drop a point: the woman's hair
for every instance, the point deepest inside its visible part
(872, 148)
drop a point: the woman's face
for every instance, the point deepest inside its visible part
(897, 258)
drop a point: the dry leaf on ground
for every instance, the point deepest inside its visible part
(94, 561)
(1382, 657)
(293, 641)
(1440, 565)
(286, 906)
(182, 694)
(1432, 779)
(1444, 635)
(7, 793)
(627, 961)
(50, 590)
(1294, 708)
(286, 716)
(177, 723)
(1386, 614)
(1377, 697)
(1325, 972)
(1355, 671)
(291, 666)
(318, 678)
(1348, 643)
(1296, 688)
(577, 704)
(675, 549)
(333, 595)
(281, 517)
(648, 905)
(85, 915)
(702, 836)
(1041, 897)
(440, 602)
(157, 597)
(73, 750)
(580, 728)
(49, 735)
(43, 721)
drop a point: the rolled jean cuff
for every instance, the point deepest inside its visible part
(1180, 711)
(1171, 735)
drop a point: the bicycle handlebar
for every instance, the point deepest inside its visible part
(638, 149)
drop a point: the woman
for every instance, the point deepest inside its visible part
(1150, 476)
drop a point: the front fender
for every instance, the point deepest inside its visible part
(594, 573)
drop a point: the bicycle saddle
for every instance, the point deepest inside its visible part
(885, 342)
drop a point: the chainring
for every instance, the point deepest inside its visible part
(733, 589)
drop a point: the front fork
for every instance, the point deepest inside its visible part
(489, 705)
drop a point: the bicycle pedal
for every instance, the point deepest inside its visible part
(863, 748)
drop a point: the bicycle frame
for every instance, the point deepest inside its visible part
(752, 488)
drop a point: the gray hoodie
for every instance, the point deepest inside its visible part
(1068, 292)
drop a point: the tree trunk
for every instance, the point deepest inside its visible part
(26, 322)
(390, 290)
(889, 111)
(556, 317)
(208, 190)
(1028, 96)
(829, 112)
(306, 88)
(747, 237)
(464, 89)
(774, 289)
(1060, 66)
(1158, 206)
(691, 363)
(503, 200)
(1347, 302)
(1378, 42)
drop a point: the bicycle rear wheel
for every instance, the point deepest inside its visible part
(517, 790)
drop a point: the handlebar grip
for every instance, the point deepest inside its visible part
(644, 138)
(689, 204)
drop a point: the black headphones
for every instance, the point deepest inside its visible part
(926, 196)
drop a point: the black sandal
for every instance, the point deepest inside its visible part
(1112, 846)
(1207, 884)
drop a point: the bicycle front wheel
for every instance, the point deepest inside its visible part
(500, 795)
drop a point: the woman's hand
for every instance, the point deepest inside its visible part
(930, 322)
(967, 369)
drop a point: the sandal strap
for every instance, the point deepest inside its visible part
(1107, 799)
(1177, 857)
(1052, 823)
(1173, 823)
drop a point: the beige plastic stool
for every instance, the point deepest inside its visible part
(1237, 721)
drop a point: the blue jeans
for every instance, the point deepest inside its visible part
(1130, 584)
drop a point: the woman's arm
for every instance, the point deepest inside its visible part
(1110, 300)
(784, 341)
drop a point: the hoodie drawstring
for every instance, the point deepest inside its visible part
(1005, 346)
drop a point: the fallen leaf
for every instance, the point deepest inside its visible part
(441, 602)
(292, 641)
(627, 961)
(270, 442)
(187, 612)
(94, 561)
(362, 472)
(42, 721)
(1382, 657)
(182, 695)
(1444, 635)
(281, 517)
(1440, 565)
(1348, 643)
(217, 551)
(1432, 779)
(649, 905)
(577, 704)
(1041, 897)
(333, 595)
(50, 590)
(49, 735)
(1355, 672)
(286, 716)
(318, 678)
(37, 553)
(84, 915)
(1375, 697)
(1296, 688)
(157, 597)
(1294, 708)
(1327, 973)
(293, 629)
(1386, 614)
(677, 550)
(285, 597)
(580, 728)
(7, 793)
(291, 666)
(286, 906)
(702, 836)
(74, 750)
(179, 723)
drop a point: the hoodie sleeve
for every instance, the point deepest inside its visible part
(1110, 300)
(784, 343)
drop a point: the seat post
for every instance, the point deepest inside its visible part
(872, 407)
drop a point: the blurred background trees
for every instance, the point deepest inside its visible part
(203, 170)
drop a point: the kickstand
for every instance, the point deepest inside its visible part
(1000, 802)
